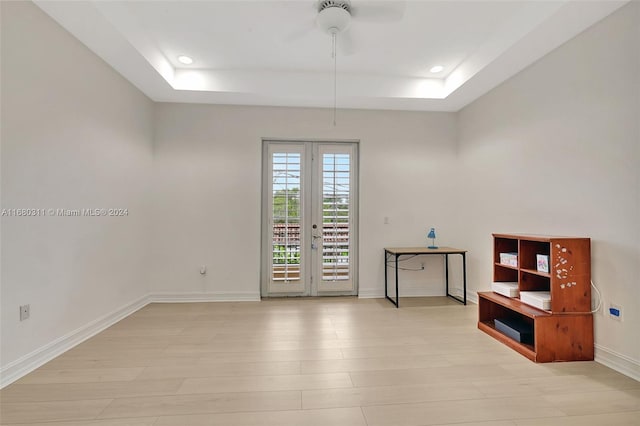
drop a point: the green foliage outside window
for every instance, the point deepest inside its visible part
(282, 256)
(286, 204)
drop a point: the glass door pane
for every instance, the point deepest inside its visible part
(286, 216)
(336, 178)
(335, 217)
(286, 167)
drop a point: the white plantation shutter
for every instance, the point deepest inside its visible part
(286, 211)
(336, 192)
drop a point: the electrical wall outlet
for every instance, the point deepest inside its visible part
(24, 312)
(615, 312)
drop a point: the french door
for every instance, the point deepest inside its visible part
(309, 219)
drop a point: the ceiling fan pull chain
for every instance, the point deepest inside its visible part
(333, 44)
(335, 77)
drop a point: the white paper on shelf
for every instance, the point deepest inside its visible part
(509, 289)
(537, 299)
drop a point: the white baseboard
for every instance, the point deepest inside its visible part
(405, 292)
(220, 296)
(370, 293)
(616, 361)
(379, 294)
(29, 362)
(472, 297)
(420, 292)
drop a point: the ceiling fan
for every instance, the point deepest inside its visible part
(336, 16)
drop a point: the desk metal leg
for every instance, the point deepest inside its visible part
(397, 292)
(387, 255)
(446, 272)
(386, 265)
(464, 278)
(462, 300)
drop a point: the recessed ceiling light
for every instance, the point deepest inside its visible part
(436, 69)
(183, 59)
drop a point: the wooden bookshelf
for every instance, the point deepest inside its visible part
(563, 333)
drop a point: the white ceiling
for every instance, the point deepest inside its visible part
(271, 52)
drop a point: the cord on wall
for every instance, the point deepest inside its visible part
(593, 311)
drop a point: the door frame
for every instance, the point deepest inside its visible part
(265, 267)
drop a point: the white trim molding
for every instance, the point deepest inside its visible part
(472, 297)
(219, 296)
(370, 293)
(29, 362)
(616, 361)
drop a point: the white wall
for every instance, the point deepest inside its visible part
(75, 135)
(207, 172)
(555, 150)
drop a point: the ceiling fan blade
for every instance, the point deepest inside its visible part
(378, 11)
(345, 42)
(306, 24)
(300, 32)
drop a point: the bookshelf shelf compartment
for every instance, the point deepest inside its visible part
(505, 273)
(535, 272)
(501, 265)
(565, 333)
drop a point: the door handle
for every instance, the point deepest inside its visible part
(314, 233)
(314, 236)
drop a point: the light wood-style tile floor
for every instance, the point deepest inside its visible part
(312, 362)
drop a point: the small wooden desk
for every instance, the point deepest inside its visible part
(390, 252)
